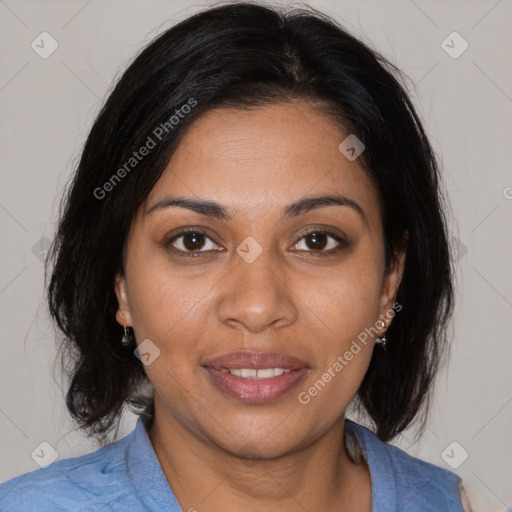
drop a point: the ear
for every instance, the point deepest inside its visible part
(123, 315)
(392, 280)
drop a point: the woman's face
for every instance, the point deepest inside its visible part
(254, 281)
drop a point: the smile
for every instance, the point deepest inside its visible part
(257, 387)
(252, 373)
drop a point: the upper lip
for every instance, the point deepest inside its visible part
(256, 360)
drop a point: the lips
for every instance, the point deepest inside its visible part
(250, 390)
(255, 360)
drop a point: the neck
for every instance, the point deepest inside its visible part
(204, 476)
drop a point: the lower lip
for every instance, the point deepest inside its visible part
(255, 391)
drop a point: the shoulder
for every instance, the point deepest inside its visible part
(425, 483)
(76, 483)
(412, 481)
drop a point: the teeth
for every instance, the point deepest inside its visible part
(264, 373)
(251, 373)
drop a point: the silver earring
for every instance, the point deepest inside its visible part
(125, 340)
(381, 340)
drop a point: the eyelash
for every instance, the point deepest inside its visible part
(194, 254)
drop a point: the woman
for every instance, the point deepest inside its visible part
(253, 242)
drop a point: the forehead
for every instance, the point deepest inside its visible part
(263, 158)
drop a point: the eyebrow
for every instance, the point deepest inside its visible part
(217, 211)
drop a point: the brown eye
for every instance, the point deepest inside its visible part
(191, 241)
(317, 241)
(321, 241)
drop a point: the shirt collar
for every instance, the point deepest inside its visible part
(145, 472)
(382, 470)
(153, 489)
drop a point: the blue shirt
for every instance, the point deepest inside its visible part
(126, 476)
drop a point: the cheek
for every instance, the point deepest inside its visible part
(348, 300)
(164, 305)
(348, 307)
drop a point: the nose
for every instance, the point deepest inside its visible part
(256, 296)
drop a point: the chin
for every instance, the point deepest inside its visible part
(261, 449)
(258, 442)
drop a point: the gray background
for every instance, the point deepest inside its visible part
(47, 107)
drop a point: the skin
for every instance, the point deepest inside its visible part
(217, 453)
